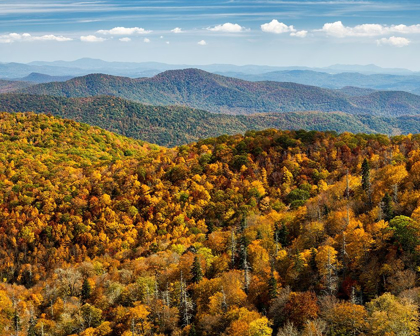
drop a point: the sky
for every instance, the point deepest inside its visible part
(315, 33)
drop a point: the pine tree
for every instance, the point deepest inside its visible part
(387, 208)
(312, 260)
(192, 331)
(243, 224)
(86, 289)
(31, 328)
(283, 235)
(366, 176)
(272, 284)
(196, 270)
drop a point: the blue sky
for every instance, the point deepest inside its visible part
(309, 33)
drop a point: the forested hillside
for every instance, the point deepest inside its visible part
(172, 126)
(273, 232)
(10, 86)
(214, 93)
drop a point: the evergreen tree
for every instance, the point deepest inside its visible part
(31, 328)
(272, 284)
(192, 331)
(366, 176)
(387, 208)
(196, 270)
(86, 290)
(283, 235)
(16, 322)
(243, 224)
(312, 260)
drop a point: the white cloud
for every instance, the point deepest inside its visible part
(125, 39)
(276, 27)
(394, 41)
(52, 38)
(227, 28)
(337, 29)
(176, 30)
(14, 37)
(146, 40)
(161, 37)
(125, 31)
(167, 42)
(91, 38)
(403, 29)
(300, 33)
(202, 43)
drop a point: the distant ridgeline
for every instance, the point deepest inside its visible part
(175, 125)
(214, 93)
(267, 233)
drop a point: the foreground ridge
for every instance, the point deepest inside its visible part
(271, 232)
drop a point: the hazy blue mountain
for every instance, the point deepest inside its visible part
(19, 70)
(336, 81)
(199, 89)
(98, 64)
(334, 77)
(39, 78)
(368, 69)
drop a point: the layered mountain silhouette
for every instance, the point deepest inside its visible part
(219, 94)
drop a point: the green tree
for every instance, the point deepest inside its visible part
(406, 232)
(387, 208)
(86, 289)
(366, 176)
(196, 270)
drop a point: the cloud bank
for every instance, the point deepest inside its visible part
(338, 29)
(124, 31)
(15, 37)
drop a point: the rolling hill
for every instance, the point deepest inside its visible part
(39, 78)
(10, 86)
(174, 125)
(199, 89)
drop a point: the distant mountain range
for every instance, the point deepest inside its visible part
(85, 66)
(171, 126)
(332, 77)
(336, 81)
(219, 94)
(98, 64)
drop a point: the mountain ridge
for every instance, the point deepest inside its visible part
(174, 125)
(220, 94)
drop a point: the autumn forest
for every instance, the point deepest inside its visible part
(267, 233)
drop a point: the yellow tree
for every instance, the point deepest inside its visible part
(390, 316)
